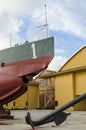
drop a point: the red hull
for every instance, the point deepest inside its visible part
(14, 77)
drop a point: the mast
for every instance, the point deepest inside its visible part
(46, 21)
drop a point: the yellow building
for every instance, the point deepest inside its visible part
(29, 100)
(70, 80)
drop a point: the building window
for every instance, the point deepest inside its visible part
(44, 83)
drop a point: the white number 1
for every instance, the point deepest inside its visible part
(34, 50)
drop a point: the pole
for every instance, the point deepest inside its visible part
(46, 21)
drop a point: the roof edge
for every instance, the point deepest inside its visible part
(72, 57)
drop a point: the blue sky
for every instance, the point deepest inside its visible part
(22, 20)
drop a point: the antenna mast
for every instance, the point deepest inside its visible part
(46, 21)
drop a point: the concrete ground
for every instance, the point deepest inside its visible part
(76, 121)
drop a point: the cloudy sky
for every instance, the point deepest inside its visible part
(22, 20)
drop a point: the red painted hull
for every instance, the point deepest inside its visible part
(14, 77)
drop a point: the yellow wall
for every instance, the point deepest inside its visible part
(33, 96)
(29, 100)
(68, 86)
(80, 106)
(80, 85)
(80, 82)
(64, 89)
(19, 103)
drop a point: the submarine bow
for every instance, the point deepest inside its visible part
(14, 77)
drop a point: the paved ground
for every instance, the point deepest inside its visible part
(76, 121)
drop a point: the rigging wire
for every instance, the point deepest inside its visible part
(41, 27)
(38, 31)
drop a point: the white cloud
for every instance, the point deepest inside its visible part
(56, 63)
(8, 26)
(12, 14)
(69, 17)
(59, 51)
(19, 6)
(63, 15)
(66, 16)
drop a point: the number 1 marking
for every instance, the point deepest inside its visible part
(34, 50)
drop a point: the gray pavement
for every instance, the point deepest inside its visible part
(76, 121)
